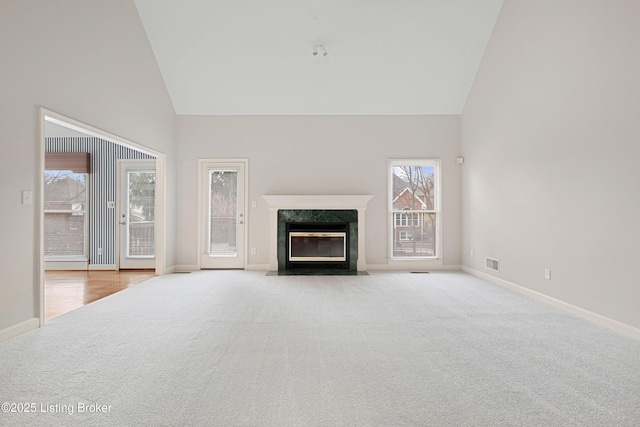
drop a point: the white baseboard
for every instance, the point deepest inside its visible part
(66, 265)
(182, 268)
(100, 267)
(614, 325)
(408, 265)
(20, 328)
(77, 266)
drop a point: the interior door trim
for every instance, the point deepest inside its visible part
(222, 163)
(124, 165)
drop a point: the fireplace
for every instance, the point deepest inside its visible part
(317, 245)
(317, 239)
(307, 213)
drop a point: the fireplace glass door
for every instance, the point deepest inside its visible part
(316, 245)
(311, 246)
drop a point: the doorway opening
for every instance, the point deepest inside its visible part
(80, 205)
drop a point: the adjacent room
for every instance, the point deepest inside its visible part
(343, 213)
(98, 226)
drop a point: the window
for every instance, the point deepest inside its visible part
(414, 203)
(407, 220)
(65, 215)
(405, 235)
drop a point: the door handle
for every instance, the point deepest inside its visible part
(122, 222)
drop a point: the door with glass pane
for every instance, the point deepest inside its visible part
(136, 220)
(222, 201)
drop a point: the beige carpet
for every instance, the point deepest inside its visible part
(234, 348)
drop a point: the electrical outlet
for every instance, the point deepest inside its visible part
(547, 274)
(254, 251)
(471, 253)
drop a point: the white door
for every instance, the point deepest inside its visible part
(136, 220)
(222, 216)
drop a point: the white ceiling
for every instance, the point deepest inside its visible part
(228, 57)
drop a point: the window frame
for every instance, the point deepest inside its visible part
(436, 211)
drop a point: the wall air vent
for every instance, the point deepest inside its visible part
(492, 264)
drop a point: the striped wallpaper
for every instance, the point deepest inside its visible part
(102, 188)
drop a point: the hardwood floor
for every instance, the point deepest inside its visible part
(67, 290)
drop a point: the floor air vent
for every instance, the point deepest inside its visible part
(492, 264)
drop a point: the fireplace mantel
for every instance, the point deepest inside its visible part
(318, 202)
(276, 202)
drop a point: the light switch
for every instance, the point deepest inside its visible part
(27, 197)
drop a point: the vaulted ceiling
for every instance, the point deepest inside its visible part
(227, 57)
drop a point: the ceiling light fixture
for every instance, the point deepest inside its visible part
(319, 48)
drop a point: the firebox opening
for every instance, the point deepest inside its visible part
(317, 245)
(313, 246)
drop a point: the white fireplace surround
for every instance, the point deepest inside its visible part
(276, 202)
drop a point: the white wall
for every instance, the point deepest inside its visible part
(86, 59)
(551, 138)
(317, 155)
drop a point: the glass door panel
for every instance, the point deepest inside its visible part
(223, 211)
(141, 218)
